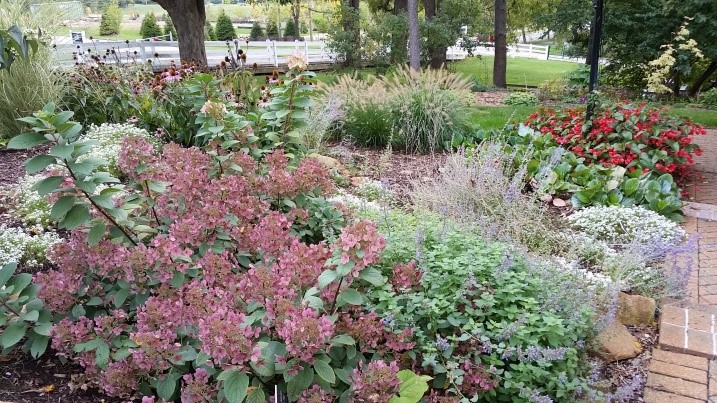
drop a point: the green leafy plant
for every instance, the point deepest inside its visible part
(708, 98)
(14, 43)
(521, 98)
(22, 314)
(484, 295)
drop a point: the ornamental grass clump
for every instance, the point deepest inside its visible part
(419, 111)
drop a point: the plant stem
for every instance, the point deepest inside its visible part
(336, 296)
(100, 209)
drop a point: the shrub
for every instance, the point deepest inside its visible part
(290, 29)
(29, 250)
(169, 28)
(111, 20)
(173, 290)
(22, 315)
(521, 98)
(621, 225)
(224, 29)
(709, 98)
(483, 189)
(553, 89)
(272, 31)
(256, 31)
(150, 28)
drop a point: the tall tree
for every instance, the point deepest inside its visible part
(414, 47)
(188, 17)
(500, 62)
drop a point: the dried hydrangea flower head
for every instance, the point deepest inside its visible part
(297, 61)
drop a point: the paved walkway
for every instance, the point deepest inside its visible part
(683, 366)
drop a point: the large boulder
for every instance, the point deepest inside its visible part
(616, 343)
(635, 310)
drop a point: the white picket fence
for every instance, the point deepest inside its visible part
(263, 53)
(516, 50)
(162, 52)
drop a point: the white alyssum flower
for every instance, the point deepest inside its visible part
(355, 203)
(17, 245)
(108, 138)
(28, 206)
(626, 225)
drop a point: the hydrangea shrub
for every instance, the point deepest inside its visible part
(210, 278)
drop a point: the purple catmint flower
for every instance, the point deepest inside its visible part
(441, 344)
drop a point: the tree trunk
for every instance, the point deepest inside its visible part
(188, 17)
(522, 30)
(500, 61)
(414, 44)
(695, 89)
(296, 10)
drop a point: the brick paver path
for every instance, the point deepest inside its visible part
(683, 366)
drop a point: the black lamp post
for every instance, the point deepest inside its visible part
(594, 56)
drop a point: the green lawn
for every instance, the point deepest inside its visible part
(705, 117)
(495, 117)
(520, 71)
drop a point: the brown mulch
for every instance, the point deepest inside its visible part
(624, 373)
(397, 169)
(491, 98)
(26, 380)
